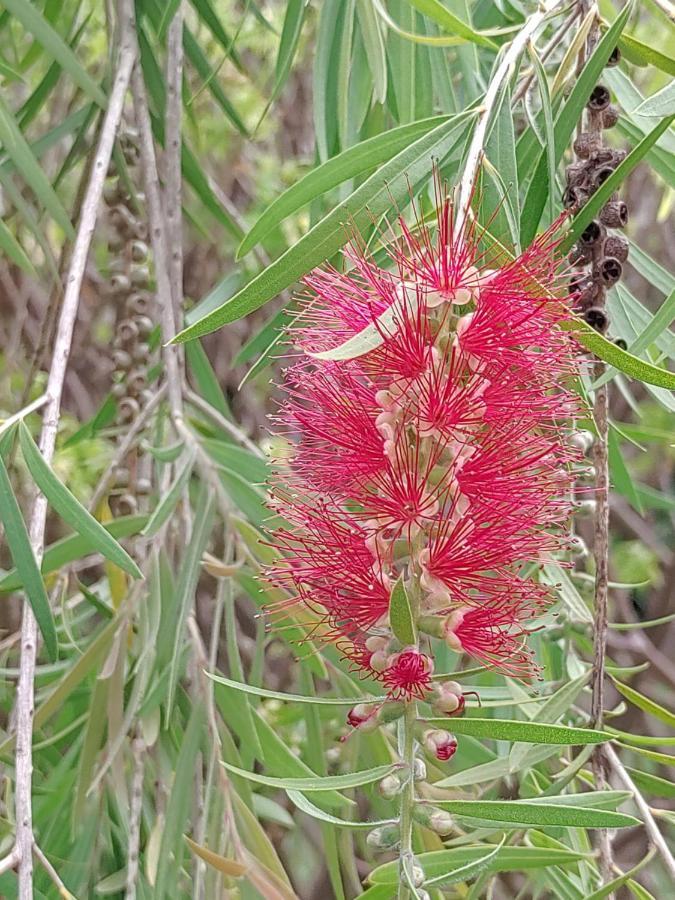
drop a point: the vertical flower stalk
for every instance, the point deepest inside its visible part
(435, 467)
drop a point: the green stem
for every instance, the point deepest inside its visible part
(407, 798)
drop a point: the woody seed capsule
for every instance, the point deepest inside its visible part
(616, 246)
(614, 214)
(599, 99)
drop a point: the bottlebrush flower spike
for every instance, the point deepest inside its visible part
(441, 455)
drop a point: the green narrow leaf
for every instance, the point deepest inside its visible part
(660, 104)
(10, 246)
(467, 871)
(645, 704)
(374, 46)
(56, 47)
(401, 615)
(21, 551)
(643, 55)
(509, 859)
(70, 510)
(292, 698)
(390, 184)
(549, 134)
(306, 806)
(288, 45)
(533, 813)
(187, 583)
(351, 162)
(19, 151)
(316, 782)
(170, 500)
(450, 23)
(663, 788)
(527, 732)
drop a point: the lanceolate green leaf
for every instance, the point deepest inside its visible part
(389, 185)
(509, 859)
(645, 704)
(527, 732)
(660, 104)
(170, 499)
(401, 615)
(293, 698)
(449, 22)
(70, 510)
(24, 560)
(308, 807)
(533, 813)
(351, 162)
(17, 148)
(10, 246)
(317, 782)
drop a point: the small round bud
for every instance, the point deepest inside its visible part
(597, 318)
(578, 548)
(599, 99)
(386, 837)
(586, 508)
(614, 214)
(419, 770)
(140, 276)
(139, 251)
(143, 486)
(432, 817)
(363, 716)
(121, 359)
(145, 325)
(448, 698)
(118, 390)
(418, 875)
(390, 786)
(441, 744)
(141, 352)
(582, 440)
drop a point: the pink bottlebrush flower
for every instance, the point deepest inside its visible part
(441, 455)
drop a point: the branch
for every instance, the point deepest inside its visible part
(503, 71)
(54, 391)
(172, 158)
(136, 807)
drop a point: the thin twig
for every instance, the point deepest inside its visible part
(136, 806)
(503, 71)
(54, 391)
(230, 427)
(22, 413)
(172, 160)
(655, 837)
(64, 893)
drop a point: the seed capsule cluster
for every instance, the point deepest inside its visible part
(598, 254)
(128, 289)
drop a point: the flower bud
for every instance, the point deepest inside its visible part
(363, 716)
(418, 877)
(386, 837)
(438, 820)
(448, 699)
(441, 744)
(419, 770)
(390, 786)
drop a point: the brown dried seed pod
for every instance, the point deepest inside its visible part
(139, 251)
(125, 505)
(138, 303)
(127, 410)
(121, 359)
(600, 175)
(143, 486)
(145, 325)
(591, 296)
(610, 116)
(127, 332)
(141, 352)
(579, 255)
(621, 344)
(618, 156)
(118, 390)
(602, 156)
(121, 477)
(614, 214)
(617, 247)
(576, 174)
(136, 381)
(586, 143)
(592, 234)
(122, 217)
(119, 283)
(599, 99)
(615, 57)
(112, 193)
(574, 197)
(596, 318)
(610, 270)
(140, 276)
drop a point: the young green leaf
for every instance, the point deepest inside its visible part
(308, 807)
(21, 551)
(533, 813)
(316, 782)
(645, 704)
(389, 185)
(528, 732)
(292, 698)
(70, 510)
(450, 23)
(660, 104)
(401, 615)
(170, 500)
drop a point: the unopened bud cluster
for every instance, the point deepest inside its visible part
(599, 254)
(128, 289)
